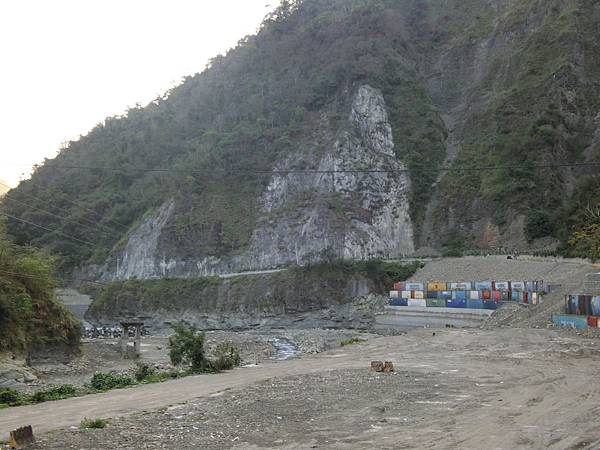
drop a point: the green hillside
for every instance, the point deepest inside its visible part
(511, 84)
(31, 318)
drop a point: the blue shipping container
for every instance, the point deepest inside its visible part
(398, 302)
(459, 295)
(579, 322)
(490, 304)
(475, 304)
(454, 303)
(446, 295)
(481, 285)
(596, 306)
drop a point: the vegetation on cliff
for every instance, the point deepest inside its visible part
(514, 83)
(31, 318)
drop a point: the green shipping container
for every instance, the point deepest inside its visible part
(436, 303)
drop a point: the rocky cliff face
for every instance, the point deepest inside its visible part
(305, 216)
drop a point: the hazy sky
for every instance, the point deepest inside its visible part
(68, 64)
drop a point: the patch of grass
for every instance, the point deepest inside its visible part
(352, 341)
(10, 397)
(55, 393)
(93, 423)
(107, 381)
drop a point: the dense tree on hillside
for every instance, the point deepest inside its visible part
(31, 318)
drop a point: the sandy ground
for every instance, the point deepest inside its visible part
(460, 389)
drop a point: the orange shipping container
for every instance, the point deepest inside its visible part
(592, 321)
(434, 286)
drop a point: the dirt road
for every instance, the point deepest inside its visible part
(467, 389)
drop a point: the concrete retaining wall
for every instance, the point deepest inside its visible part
(411, 317)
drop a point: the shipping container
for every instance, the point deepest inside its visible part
(579, 322)
(596, 306)
(517, 286)
(481, 285)
(436, 286)
(475, 304)
(592, 321)
(500, 285)
(454, 303)
(411, 286)
(398, 302)
(486, 294)
(505, 296)
(394, 294)
(515, 296)
(405, 295)
(525, 297)
(490, 304)
(459, 295)
(461, 286)
(419, 295)
(417, 302)
(436, 303)
(572, 304)
(446, 295)
(399, 286)
(474, 295)
(496, 296)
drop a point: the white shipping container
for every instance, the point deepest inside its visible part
(405, 295)
(502, 285)
(417, 302)
(473, 295)
(419, 295)
(394, 294)
(462, 286)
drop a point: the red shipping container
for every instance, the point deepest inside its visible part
(399, 286)
(412, 295)
(486, 294)
(496, 296)
(526, 297)
(592, 321)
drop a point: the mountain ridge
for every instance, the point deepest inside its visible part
(494, 83)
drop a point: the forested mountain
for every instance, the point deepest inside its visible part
(325, 136)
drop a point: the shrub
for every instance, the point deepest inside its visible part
(55, 393)
(143, 372)
(351, 341)
(9, 396)
(106, 381)
(538, 224)
(227, 357)
(186, 347)
(93, 423)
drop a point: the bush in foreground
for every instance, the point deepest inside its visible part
(106, 381)
(93, 423)
(227, 356)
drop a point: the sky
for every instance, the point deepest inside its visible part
(69, 64)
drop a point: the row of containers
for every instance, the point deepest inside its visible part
(470, 295)
(581, 311)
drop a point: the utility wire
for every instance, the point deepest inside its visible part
(89, 227)
(40, 278)
(79, 206)
(48, 229)
(333, 171)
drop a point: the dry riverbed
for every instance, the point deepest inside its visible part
(468, 389)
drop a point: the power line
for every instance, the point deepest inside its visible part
(40, 278)
(47, 229)
(125, 227)
(332, 171)
(56, 216)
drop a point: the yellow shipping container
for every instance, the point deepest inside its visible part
(434, 286)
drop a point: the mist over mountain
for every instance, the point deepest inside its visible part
(344, 129)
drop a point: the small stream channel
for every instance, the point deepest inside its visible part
(285, 349)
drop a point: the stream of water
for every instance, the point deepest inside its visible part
(285, 349)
